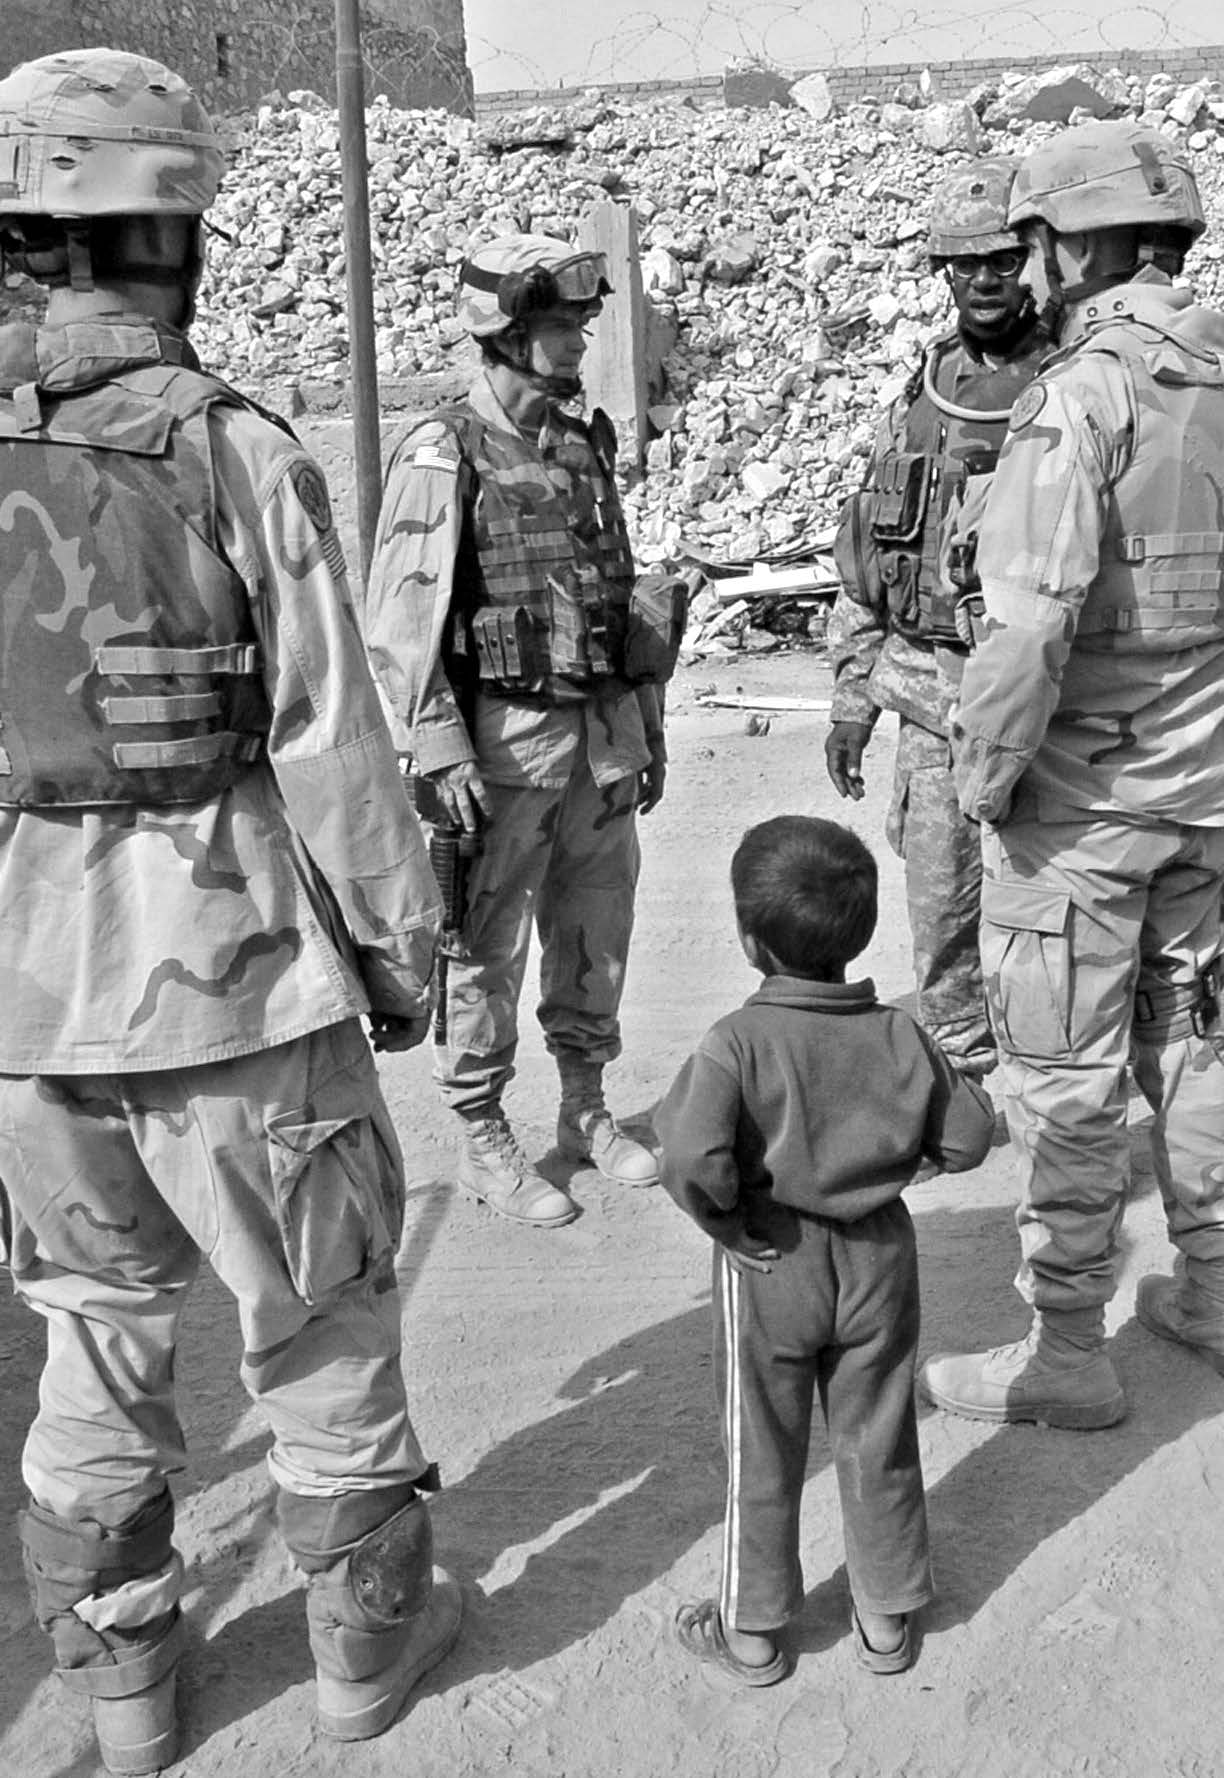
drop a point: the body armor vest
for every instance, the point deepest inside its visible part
(130, 670)
(1160, 586)
(545, 577)
(907, 508)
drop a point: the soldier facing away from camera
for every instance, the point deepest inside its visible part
(209, 871)
(905, 554)
(524, 661)
(1089, 742)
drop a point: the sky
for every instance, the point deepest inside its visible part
(540, 43)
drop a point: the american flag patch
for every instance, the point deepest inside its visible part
(431, 457)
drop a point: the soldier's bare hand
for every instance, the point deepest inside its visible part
(844, 748)
(462, 791)
(650, 786)
(394, 1031)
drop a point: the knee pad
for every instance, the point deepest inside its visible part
(368, 1577)
(69, 1562)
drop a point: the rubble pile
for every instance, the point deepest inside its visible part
(783, 255)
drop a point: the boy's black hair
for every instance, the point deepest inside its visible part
(806, 889)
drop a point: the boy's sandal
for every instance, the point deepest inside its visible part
(893, 1660)
(699, 1631)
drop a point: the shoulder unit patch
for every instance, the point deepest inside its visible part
(1028, 405)
(311, 490)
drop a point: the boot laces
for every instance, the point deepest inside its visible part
(494, 1135)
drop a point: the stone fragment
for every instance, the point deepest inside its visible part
(949, 128)
(813, 95)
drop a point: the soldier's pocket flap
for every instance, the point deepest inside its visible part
(1025, 907)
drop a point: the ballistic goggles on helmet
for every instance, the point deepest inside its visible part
(581, 279)
(1004, 262)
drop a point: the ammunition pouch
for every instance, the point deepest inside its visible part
(504, 640)
(903, 483)
(560, 650)
(658, 611)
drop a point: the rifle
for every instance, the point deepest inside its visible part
(453, 851)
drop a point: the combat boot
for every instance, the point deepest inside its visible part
(493, 1168)
(587, 1131)
(1058, 1375)
(380, 1615)
(93, 1590)
(1187, 1308)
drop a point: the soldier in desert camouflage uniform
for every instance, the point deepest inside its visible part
(1089, 741)
(208, 872)
(523, 661)
(894, 640)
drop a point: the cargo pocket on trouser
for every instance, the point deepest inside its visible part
(1027, 967)
(337, 1186)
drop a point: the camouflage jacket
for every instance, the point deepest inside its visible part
(142, 938)
(437, 715)
(1116, 711)
(876, 666)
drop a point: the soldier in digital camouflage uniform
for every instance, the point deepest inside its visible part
(894, 640)
(1089, 742)
(209, 871)
(524, 662)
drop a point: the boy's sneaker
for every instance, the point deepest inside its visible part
(493, 1168)
(1026, 1381)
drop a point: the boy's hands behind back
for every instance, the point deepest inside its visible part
(746, 1253)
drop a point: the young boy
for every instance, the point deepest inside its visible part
(788, 1137)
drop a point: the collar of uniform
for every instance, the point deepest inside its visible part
(483, 401)
(83, 353)
(971, 358)
(798, 991)
(1149, 296)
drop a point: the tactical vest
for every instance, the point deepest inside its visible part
(906, 504)
(545, 577)
(130, 670)
(1160, 586)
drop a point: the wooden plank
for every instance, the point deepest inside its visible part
(779, 703)
(614, 372)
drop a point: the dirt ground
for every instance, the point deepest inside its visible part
(563, 1382)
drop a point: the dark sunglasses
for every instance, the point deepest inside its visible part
(1005, 262)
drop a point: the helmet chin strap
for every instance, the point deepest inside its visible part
(1062, 295)
(514, 348)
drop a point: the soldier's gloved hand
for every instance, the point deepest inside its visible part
(395, 1031)
(462, 791)
(845, 745)
(650, 784)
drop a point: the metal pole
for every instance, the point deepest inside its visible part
(354, 170)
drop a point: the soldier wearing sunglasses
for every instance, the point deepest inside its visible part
(899, 632)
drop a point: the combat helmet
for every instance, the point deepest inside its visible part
(1111, 173)
(107, 165)
(504, 281)
(99, 132)
(969, 210)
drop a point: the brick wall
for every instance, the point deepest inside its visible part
(747, 85)
(956, 77)
(232, 52)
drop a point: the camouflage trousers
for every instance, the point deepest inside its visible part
(942, 852)
(283, 1168)
(568, 857)
(1098, 936)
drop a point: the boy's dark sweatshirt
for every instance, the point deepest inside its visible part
(817, 1096)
